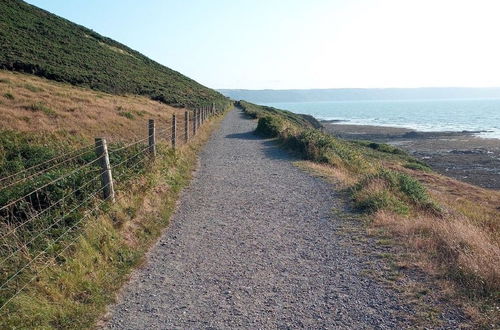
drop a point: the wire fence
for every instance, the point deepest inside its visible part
(43, 206)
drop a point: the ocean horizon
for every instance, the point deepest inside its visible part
(467, 114)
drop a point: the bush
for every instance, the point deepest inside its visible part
(269, 126)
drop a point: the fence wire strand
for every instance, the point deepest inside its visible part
(166, 133)
(45, 170)
(50, 207)
(43, 163)
(94, 194)
(48, 261)
(51, 182)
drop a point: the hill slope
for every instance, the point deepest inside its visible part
(35, 41)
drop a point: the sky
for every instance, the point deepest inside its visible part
(302, 44)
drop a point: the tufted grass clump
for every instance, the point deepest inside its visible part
(393, 191)
(40, 106)
(9, 96)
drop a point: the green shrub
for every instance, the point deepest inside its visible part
(269, 126)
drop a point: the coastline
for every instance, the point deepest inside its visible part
(461, 155)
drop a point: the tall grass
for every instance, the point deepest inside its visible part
(74, 290)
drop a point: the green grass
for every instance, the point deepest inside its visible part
(37, 42)
(32, 88)
(74, 291)
(40, 106)
(418, 166)
(377, 188)
(126, 114)
(382, 147)
(9, 96)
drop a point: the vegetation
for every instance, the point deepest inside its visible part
(37, 42)
(259, 111)
(77, 114)
(82, 280)
(46, 119)
(450, 225)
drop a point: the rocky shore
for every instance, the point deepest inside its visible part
(461, 155)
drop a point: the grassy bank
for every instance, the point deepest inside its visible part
(37, 42)
(80, 282)
(30, 104)
(451, 228)
(64, 252)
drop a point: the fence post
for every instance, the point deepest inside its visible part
(186, 126)
(174, 131)
(194, 122)
(198, 118)
(152, 137)
(101, 149)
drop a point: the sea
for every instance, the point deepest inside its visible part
(424, 115)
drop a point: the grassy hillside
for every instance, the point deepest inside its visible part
(37, 42)
(450, 228)
(40, 107)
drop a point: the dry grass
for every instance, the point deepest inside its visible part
(32, 104)
(461, 245)
(73, 293)
(338, 175)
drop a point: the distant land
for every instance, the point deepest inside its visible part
(352, 94)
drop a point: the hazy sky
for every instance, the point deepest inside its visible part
(283, 44)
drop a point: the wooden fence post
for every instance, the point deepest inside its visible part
(194, 122)
(152, 137)
(101, 149)
(186, 126)
(174, 131)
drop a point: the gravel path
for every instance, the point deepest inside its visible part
(254, 244)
